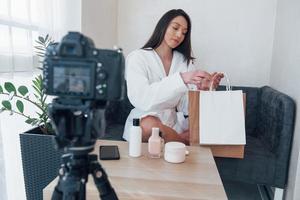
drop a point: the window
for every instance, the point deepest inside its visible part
(21, 22)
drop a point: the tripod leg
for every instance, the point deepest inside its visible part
(73, 176)
(69, 189)
(102, 183)
(56, 195)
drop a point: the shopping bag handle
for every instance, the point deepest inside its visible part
(228, 85)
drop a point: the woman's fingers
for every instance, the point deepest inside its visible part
(197, 79)
(203, 74)
(202, 78)
(217, 78)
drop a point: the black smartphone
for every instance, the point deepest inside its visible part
(109, 152)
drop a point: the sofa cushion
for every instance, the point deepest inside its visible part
(116, 114)
(113, 132)
(118, 111)
(258, 165)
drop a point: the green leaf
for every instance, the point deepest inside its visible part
(6, 104)
(41, 39)
(35, 83)
(23, 90)
(40, 48)
(39, 114)
(37, 89)
(44, 99)
(35, 122)
(20, 106)
(29, 120)
(1, 89)
(41, 55)
(10, 87)
(2, 109)
(39, 78)
(38, 83)
(41, 43)
(38, 51)
(46, 38)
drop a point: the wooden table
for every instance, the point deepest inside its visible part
(146, 178)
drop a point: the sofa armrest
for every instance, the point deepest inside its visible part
(276, 127)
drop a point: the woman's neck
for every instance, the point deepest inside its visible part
(164, 51)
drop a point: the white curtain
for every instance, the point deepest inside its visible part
(22, 21)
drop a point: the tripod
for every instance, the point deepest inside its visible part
(72, 121)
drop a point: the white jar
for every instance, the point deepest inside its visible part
(175, 152)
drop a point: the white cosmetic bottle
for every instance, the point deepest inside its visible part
(155, 144)
(135, 139)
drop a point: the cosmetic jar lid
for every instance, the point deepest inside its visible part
(174, 146)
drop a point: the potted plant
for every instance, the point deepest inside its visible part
(40, 158)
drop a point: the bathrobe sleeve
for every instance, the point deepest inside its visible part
(183, 104)
(146, 96)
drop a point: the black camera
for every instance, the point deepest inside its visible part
(84, 79)
(74, 68)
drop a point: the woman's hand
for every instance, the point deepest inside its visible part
(185, 136)
(216, 78)
(195, 77)
(205, 84)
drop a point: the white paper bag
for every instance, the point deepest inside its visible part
(221, 118)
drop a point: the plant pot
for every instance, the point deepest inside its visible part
(40, 161)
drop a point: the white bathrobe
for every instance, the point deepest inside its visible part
(154, 93)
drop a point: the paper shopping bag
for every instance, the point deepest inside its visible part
(229, 151)
(221, 118)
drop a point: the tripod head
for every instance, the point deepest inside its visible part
(72, 120)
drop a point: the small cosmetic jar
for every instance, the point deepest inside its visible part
(175, 152)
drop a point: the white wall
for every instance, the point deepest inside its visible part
(99, 21)
(232, 36)
(66, 19)
(285, 73)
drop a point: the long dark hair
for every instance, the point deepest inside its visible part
(161, 28)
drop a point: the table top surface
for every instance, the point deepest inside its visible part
(147, 178)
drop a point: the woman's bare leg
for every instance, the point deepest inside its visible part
(169, 134)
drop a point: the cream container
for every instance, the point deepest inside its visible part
(175, 152)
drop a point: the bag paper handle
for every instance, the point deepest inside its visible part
(228, 85)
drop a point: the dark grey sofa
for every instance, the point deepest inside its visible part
(269, 132)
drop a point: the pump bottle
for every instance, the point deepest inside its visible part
(135, 139)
